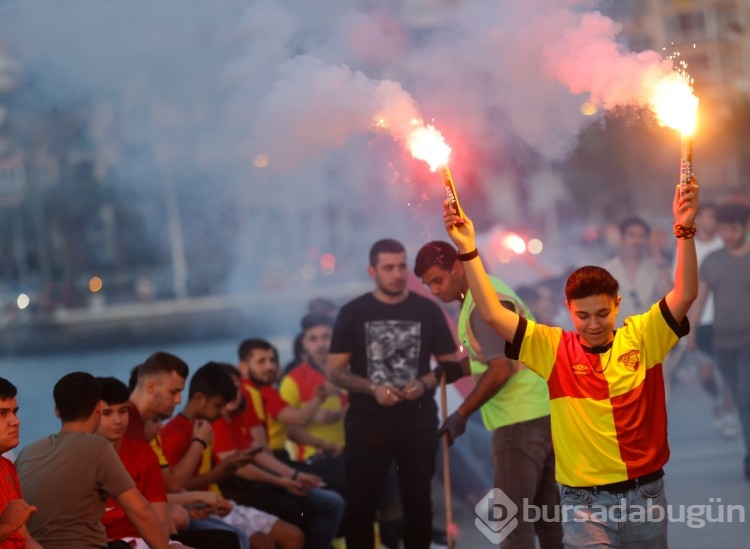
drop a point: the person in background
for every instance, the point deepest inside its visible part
(725, 274)
(211, 388)
(292, 494)
(320, 443)
(380, 352)
(699, 342)
(640, 269)
(513, 401)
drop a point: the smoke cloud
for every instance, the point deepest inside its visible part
(272, 105)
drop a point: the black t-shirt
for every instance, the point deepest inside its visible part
(392, 343)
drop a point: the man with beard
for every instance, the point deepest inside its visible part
(380, 352)
(318, 444)
(725, 274)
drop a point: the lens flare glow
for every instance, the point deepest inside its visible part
(427, 143)
(23, 301)
(514, 243)
(675, 104)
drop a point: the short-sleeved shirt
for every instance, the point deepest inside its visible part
(391, 343)
(609, 418)
(176, 439)
(233, 434)
(69, 476)
(297, 388)
(267, 404)
(10, 489)
(728, 278)
(142, 465)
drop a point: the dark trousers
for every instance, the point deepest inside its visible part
(734, 365)
(524, 466)
(369, 455)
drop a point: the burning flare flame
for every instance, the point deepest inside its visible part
(426, 143)
(674, 102)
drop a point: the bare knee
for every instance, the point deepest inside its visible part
(287, 536)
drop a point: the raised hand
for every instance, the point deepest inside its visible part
(459, 229)
(685, 203)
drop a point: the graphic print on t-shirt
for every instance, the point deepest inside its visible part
(392, 351)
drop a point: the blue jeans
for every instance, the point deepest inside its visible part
(636, 519)
(329, 512)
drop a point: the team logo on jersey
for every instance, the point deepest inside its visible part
(630, 360)
(580, 369)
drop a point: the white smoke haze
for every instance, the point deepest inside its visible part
(208, 87)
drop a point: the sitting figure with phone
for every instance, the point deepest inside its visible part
(281, 489)
(211, 388)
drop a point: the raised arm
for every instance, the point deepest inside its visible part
(461, 232)
(684, 207)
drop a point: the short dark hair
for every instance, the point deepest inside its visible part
(733, 213)
(634, 221)
(114, 391)
(590, 280)
(235, 373)
(249, 345)
(76, 396)
(212, 379)
(385, 246)
(163, 363)
(7, 389)
(436, 253)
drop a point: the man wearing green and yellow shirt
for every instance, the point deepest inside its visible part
(513, 401)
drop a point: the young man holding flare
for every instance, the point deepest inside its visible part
(606, 387)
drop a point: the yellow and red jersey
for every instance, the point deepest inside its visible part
(297, 388)
(267, 404)
(609, 418)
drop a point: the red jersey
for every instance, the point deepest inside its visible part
(10, 488)
(141, 463)
(135, 428)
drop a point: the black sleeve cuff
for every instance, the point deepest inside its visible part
(513, 349)
(681, 329)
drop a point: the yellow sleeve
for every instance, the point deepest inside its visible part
(539, 347)
(289, 391)
(156, 447)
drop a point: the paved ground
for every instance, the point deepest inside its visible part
(704, 470)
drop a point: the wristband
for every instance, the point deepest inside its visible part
(682, 232)
(202, 442)
(468, 256)
(424, 385)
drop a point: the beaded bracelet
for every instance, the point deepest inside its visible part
(680, 231)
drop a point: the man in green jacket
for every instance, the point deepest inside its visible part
(513, 401)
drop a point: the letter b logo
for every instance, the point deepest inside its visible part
(496, 516)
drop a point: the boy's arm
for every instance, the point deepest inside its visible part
(685, 291)
(461, 232)
(14, 518)
(142, 516)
